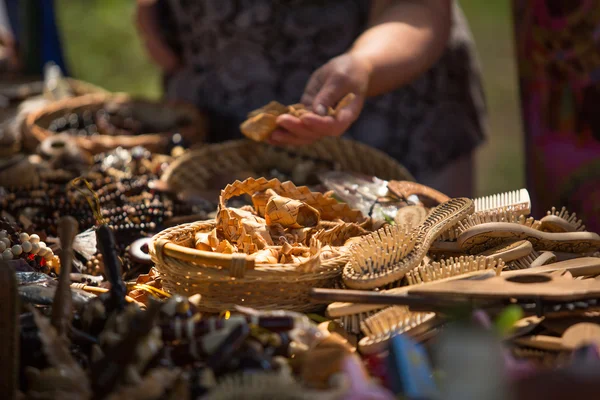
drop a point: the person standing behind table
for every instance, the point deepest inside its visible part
(558, 48)
(411, 64)
(31, 36)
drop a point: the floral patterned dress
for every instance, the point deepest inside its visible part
(558, 43)
(241, 54)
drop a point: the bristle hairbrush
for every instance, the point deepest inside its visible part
(392, 321)
(385, 256)
(480, 237)
(561, 221)
(351, 315)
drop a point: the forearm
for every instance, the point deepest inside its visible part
(404, 39)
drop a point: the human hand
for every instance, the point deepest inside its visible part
(327, 86)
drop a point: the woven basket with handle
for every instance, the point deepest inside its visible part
(196, 168)
(155, 113)
(225, 280)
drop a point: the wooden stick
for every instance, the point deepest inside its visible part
(9, 332)
(366, 297)
(62, 306)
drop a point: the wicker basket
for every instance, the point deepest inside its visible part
(225, 280)
(196, 168)
(155, 113)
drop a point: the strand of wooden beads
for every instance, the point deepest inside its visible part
(28, 244)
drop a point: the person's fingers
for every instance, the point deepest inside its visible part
(281, 137)
(347, 115)
(313, 86)
(332, 91)
(326, 126)
(296, 126)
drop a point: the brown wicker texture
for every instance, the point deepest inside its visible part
(196, 168)
(18, 89)
(225, 280)
(162, 115)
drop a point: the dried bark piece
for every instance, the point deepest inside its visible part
(297, 110)
(267, 256)
(202, 241)
(274, 108)
(260, 127)
(340, 234)
(344, 102)
(263, 121)
(260, 200)
(225, 247)
(290, 213)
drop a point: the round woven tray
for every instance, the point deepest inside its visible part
(196, 168)
(226, 280)
(155, 113)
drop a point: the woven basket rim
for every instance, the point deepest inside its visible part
(239, 144)
(97, 98)
(179, 252)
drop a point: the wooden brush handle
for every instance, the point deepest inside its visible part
(367, 297)
(67, 230)
(112, 265)
(405, 189)
(62, 306)
(584, 266)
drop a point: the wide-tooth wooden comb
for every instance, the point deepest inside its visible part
(481, 237)
(516, 200)
(385, 256)
(561, 221)
(397, 320)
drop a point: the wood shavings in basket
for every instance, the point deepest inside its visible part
(285, 225)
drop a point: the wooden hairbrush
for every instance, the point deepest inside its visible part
(561, 221)
(385, 256)
(381, 327)
(480, 237)
(350, 315)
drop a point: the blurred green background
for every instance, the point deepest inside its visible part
(102, 48)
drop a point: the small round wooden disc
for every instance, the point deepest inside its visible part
(581, 334)
(411, 216)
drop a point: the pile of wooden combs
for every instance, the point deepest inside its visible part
(445, 254)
